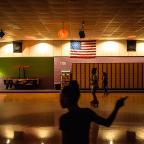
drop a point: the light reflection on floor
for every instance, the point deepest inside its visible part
(37, 114)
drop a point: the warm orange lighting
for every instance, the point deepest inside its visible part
(63, 33)
(30, 38)
(131, 36)
(23, 66)
(7, 141)
(111, 142)
(44, 133)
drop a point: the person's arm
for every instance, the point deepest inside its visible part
(107, 122)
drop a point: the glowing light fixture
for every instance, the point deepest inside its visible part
(131, 36)
(63, 33)
(8, 141)
(111, 142)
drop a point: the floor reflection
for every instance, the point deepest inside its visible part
(37, 115)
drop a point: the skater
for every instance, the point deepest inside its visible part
(105, 83)
(94, 83)
(75, 123)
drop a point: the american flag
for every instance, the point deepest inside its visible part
(83, 49)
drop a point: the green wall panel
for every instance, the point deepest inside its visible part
(41, 67)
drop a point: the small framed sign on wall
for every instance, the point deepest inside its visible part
(17, 46)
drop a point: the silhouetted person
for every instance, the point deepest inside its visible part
(75, 124)
(94, 83)
(105, 83)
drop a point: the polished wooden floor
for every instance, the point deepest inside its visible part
(37, 115)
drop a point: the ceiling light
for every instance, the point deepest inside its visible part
(111, 142)
(1, 33)
(131, 36)
(63, 33)
(7, 141)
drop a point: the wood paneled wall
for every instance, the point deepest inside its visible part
(120, 75)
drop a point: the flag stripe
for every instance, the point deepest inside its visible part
(83, 56)
(83, 49)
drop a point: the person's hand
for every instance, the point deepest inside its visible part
(121, 101)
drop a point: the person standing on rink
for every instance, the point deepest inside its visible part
(94, 87)
(105, 83)
(75, 123)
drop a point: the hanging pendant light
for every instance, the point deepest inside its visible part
(2, 34)
(62, 33)
(81, 32)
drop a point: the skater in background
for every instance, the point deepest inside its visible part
(105, 83)
(94, 87)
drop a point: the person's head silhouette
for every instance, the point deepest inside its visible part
(70, 94)
(94, 70)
